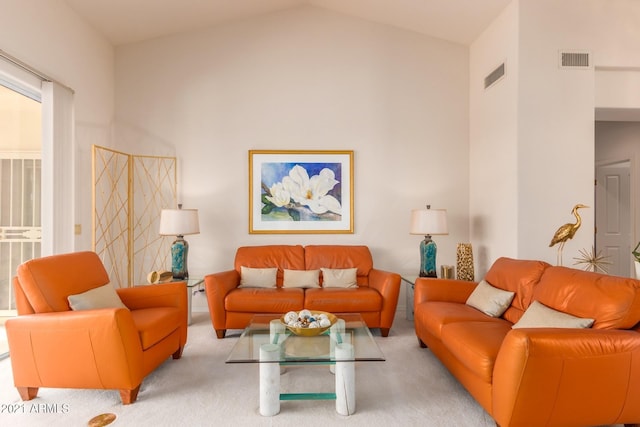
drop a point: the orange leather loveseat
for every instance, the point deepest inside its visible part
(51, 345)
(536, 374)
(375, 297)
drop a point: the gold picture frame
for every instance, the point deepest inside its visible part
(300, 192)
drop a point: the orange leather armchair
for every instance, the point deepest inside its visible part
(109, 348)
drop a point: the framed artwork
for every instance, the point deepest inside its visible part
(300, 192)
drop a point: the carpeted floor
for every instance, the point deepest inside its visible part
(410, 388)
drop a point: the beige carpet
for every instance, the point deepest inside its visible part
(411, 388)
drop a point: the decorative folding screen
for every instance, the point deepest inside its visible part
(129, 192)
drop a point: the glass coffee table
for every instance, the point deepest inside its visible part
(266, 341)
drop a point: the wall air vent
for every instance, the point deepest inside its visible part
(494, 76)
(580, 60)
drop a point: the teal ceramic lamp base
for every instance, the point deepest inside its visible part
(179, 252)
(428, 250)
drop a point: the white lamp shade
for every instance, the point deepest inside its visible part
(179, 222)
(429, 222)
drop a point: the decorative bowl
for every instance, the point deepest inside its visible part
(310, 332)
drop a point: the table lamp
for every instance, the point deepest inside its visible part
(179, 222)
(428, 222)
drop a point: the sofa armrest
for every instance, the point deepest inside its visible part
(88, 348)
(217, 286)
(388, 284)
(546, 376)
(173, 294)
(450, 290)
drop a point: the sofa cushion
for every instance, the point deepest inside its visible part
(339, 277)
(540, 316)
(258, 277)
(490, 300)
(261, 300)
(104, 296)
(349, 300)
(433, 315)
(281, 256)
(301, 278)
(155, 324)
(519, 276)
(339, 256)
(476, 344)
(614, 302)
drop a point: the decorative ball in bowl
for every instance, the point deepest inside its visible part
(308, 323)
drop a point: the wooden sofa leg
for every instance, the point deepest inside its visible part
(220, 333)
(632, 425)
(422, 344)
(27, 393)
(178, 353)
(384, 332)
(129, 396)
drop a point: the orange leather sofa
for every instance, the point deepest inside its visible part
(110, 348)
(540, 376)
(375, 298)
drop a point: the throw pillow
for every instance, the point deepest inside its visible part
(489, 299)
(101, 297)
(539, 315)
(301, 279)
(257, 277)
(339, 277)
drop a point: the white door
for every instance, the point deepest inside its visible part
(613, 216)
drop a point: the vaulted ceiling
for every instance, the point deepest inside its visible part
(129, 21)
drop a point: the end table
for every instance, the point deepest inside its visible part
(410, 280)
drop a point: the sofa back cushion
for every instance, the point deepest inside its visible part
(47, 282)
(290, 257)
(519, 276)
(614, 302)
(340, 256)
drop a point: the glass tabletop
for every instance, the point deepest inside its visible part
(192, 283)
(267, 329)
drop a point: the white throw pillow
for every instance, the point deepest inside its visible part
(301, 279)
(258, 277)
(101, 297)
(339, 277)
(539, 315)
(489, 299)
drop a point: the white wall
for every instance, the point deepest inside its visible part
(306, 78)
(555, 117)
(494, 136)
(51, 38)
(556, 137)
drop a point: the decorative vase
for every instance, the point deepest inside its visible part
(465, 262)
(637, 264)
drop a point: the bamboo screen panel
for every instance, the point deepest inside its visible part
(128, 194)
(154, 189)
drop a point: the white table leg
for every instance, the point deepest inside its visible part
(345, 380)
(336, 334)
(269, 380)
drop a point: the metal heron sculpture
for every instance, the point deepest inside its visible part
(566, 232)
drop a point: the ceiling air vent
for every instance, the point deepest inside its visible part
(575, 60)
(494, 76)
